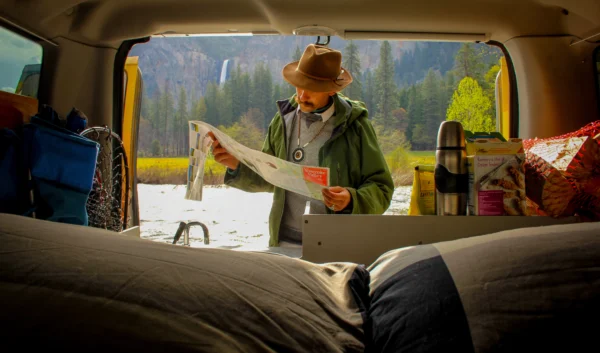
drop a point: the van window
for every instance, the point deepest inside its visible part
(20, 64)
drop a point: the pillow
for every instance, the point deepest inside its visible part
(88, 290)
(524, 290)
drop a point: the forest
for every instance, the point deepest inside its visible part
(406, 111)
(405, 114)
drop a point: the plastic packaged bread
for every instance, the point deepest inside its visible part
(563, 173)
(547, 187)
(574, 157)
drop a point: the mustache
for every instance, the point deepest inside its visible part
(304, 103)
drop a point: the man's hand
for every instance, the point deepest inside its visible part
(336, 198)
(221, 154)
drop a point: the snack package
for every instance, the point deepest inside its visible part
(496, 175)
(422, 198)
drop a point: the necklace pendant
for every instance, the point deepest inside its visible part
(298, 155)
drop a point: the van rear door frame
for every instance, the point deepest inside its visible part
(117, 119)
(513, 93)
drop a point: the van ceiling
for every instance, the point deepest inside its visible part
(108, 22)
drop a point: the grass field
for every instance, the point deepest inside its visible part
(174, 170)
(422, 157)
(402, 165)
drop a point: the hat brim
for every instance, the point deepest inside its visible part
(297, 79)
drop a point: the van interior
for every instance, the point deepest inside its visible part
(374, 283)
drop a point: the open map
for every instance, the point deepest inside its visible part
(304, 180)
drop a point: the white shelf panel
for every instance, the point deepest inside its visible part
(363, 238)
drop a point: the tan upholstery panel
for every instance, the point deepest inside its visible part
(556, 85)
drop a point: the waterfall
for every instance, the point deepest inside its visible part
(223, 77)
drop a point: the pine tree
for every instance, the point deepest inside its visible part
(415, 114)
(156, 114)
(212, 114)
(406, 68)
(449, 86)
(168, 110)
(262, 93)
(420, 139)
(432, 109)
(199, 110)
(180, 122)
(471, 107)
(403, 95)
(256, 93)
(146, 110)
(352, 64)
(386, 88)
(156, 149)
(192, 97)
(146, 129)
(244, 92)
(237, 105)
(368, 93)
(225, 104)
(240, 91)
(270, 106)
(468, 63)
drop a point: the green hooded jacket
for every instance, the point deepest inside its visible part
(352, 155)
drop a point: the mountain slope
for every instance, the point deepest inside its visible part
(193, 62)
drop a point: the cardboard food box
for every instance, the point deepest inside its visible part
(496, 175)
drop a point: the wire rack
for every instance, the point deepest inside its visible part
(109, 200)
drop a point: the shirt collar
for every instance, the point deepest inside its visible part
(324, 115)
(328, 113)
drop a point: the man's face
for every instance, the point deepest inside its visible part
(309, 101)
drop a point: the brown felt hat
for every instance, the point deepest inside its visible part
(319, 70)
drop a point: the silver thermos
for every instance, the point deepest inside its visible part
(451, 175)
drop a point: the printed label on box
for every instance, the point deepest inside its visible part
(496, 176)
(491, 203)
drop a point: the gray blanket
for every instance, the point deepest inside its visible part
(87, 290)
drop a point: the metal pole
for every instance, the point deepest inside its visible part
(186, 237)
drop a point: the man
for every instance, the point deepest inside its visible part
(318, 127)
